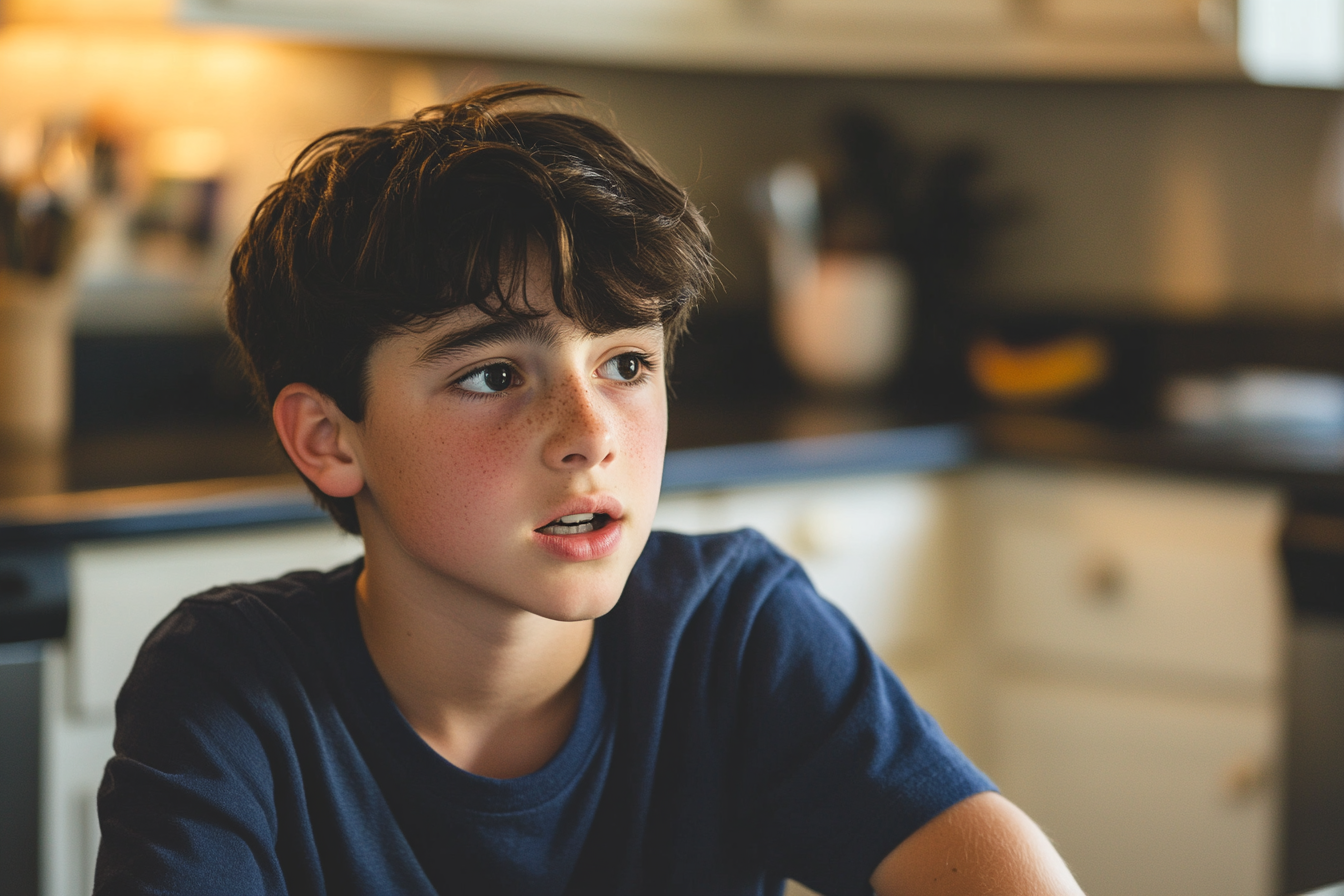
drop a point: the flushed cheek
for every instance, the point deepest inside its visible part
(644, 441)
(647, 438)
(455, 483)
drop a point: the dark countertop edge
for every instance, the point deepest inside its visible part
(155, 509)
(232, 503)
(1295, 465)
(184, 520)
(905, 449)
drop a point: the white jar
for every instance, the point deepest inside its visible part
(843, 319)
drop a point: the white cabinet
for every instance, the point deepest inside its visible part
(1147, 575)
(869, 544)
(1144, 794)
(119, 590)
(1173, 17)
(1069, 38)
(1131, 648)
(892, 13)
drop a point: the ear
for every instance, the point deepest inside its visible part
(319, 438)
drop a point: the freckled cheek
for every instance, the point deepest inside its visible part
(461, 477)
(645, 438)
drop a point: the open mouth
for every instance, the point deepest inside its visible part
(576, 524)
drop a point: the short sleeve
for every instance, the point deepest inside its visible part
(841, 765)
(186, 804)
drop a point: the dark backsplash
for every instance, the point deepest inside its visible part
(143, 380)
(134, 382)
(1145, 352)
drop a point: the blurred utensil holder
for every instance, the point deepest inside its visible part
(841, 316)
(35, 361)
(842, 325)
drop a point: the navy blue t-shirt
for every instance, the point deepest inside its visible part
(734, 730)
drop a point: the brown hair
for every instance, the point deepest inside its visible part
(387, 228)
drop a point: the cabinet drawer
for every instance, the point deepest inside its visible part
(1158, 795)
(871, 544)
(1146, 574)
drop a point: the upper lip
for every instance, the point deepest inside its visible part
(586, 504)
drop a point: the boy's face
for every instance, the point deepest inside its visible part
(479, 436)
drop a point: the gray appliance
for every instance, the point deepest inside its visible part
(33, 607)
(1312, 850)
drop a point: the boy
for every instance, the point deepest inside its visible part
(461, 324)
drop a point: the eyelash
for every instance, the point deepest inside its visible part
(473, 394)
(647, 366)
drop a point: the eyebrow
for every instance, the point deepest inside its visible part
(494, 332)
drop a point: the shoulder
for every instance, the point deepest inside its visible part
(226, 697)
(715, 584)
(696, 567)
(290, 600)
(724, 599)
(758, 602)
(231, 669)
(237, 634)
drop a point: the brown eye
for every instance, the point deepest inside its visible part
(625, 367)
(495, 378)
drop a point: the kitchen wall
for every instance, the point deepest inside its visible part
(1189, 198)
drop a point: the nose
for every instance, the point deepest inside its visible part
(581, 434)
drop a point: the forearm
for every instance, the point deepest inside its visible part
(982, 845)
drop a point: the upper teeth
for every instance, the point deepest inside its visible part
(573, 518)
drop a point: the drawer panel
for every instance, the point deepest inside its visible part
(1151, 575)
(873, 545)
(1144, 794)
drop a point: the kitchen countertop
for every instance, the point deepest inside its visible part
(231, 474)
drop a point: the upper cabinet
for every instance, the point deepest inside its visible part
(1012, 38)
(1153, 17)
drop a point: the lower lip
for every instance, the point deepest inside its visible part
(586, 546)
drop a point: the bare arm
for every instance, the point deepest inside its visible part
(983, 845)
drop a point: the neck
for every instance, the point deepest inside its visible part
(492, 688)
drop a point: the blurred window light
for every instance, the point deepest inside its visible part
(88, 12)
(186, 153)
(1294, 43)
(20, 147)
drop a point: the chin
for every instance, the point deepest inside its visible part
(578, 592)
(580, 606)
